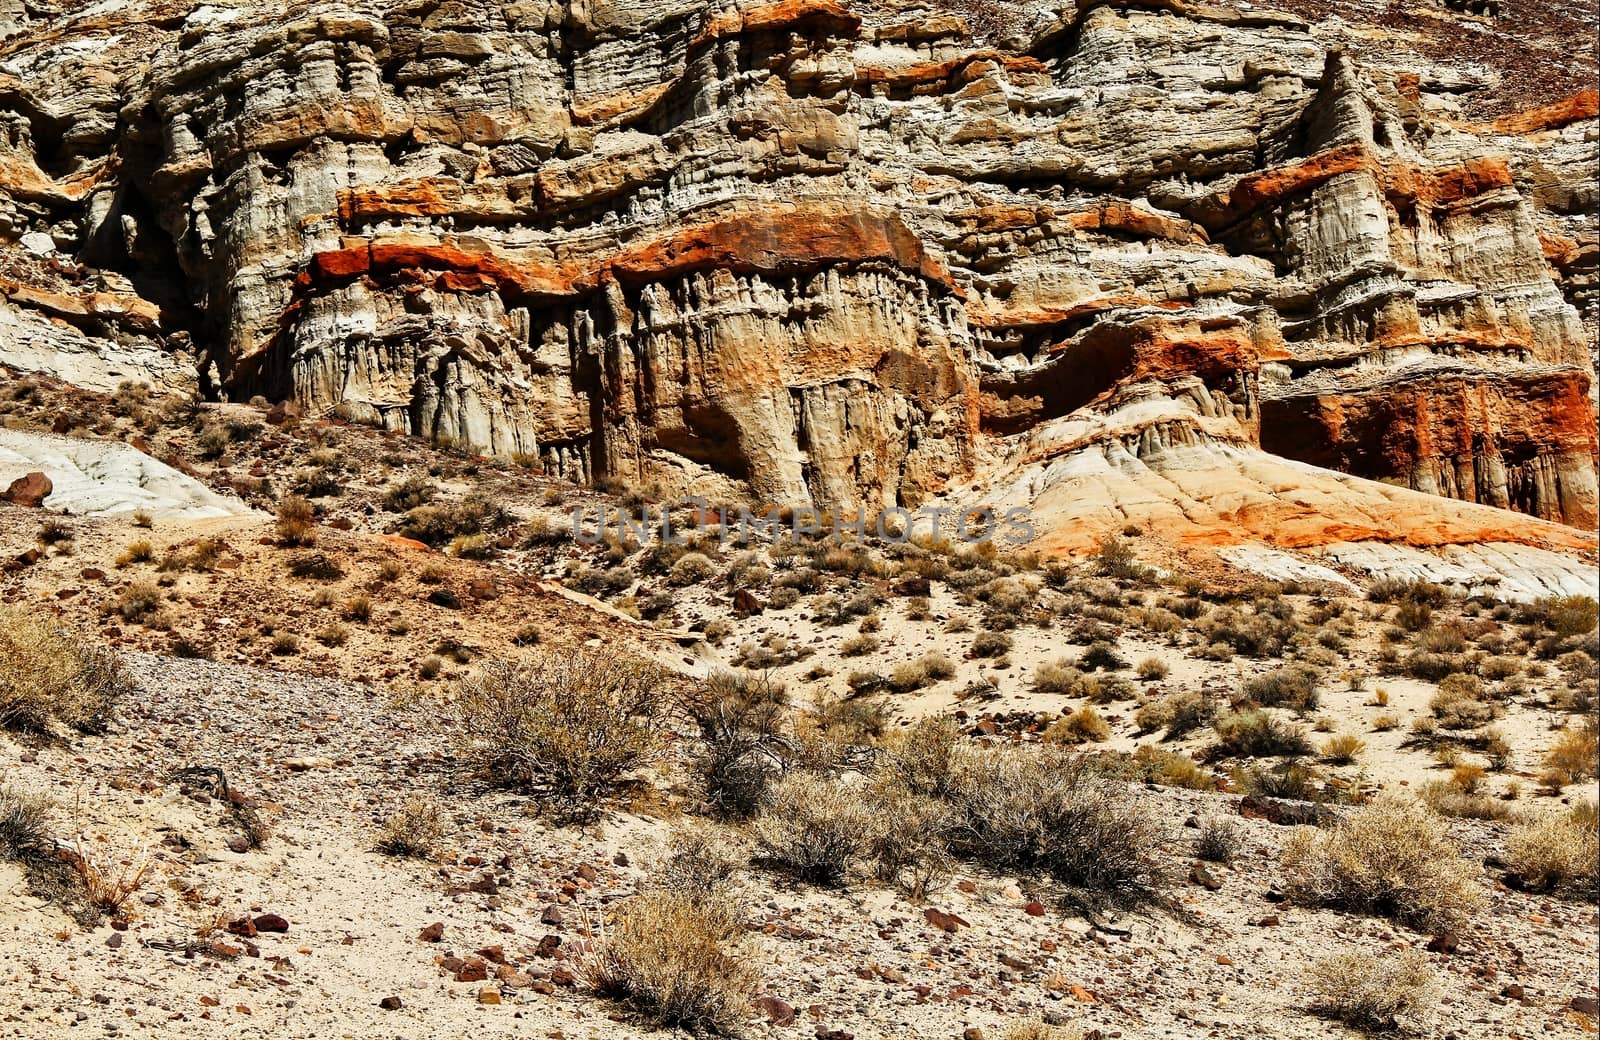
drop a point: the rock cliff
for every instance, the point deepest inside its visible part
(811, 252)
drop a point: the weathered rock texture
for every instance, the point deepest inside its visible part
(802, 253)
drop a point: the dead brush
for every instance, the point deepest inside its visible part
(107, 883)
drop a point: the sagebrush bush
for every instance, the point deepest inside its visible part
(907, 836)
(1460, 703)
(1292, 686)
(1082, 726)
(1575, 755)
(566, 728)
(738, 715)
(990, 644)
(1171, 769)
(860, 646)
(1179, 714)
(1375, 993)
(923, 755)
(1258, 734)
(1447, 799)
(814, 826)
(1390, 858)
(678, 961)
(692, 569)
(1038, 808)
(1151, 669)
(1557, 851)
(700, 862)
(47, 675)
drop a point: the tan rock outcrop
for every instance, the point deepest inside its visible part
(809, 252)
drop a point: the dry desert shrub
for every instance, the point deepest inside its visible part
(923, 756)
(814, 826)
(1574, 757)
(912, 675)
(1040, 808)
(1448, 799)
(1082, 726)
(1179, 714)
(738, 715)
(677, 961)
(1039, 1029)
(1172, 769)
(23, 824)
(566, 728)
(1375, 993)
(906, 837)
(692, 569)
(860, 646)
(1390, 858)
(990, 644)
(1292, 686)
(415, 829)
(1258, 734)
(107, 884)
(46, 675)
(1219, 839)
(1461, 703)
(1565, 615)
(1151, 669)
(296, 522)
(700, 862)
(1557, 852)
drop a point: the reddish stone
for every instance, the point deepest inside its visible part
(29, 490)
(433, 933)
(779, 1012)
(943, 921)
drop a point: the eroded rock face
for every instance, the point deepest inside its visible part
(801, 253)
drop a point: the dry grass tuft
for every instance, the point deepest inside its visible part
(296, 523)
(107, 885)
(1389, 858)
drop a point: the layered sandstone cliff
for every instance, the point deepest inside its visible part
(809, 252)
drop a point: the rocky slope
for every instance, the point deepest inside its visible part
(808, 253)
